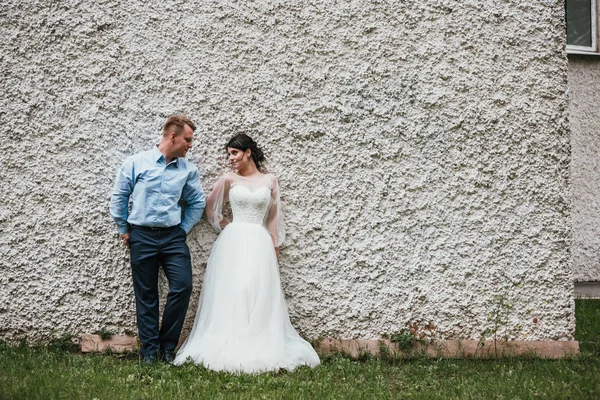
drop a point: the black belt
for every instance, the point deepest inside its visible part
(153, 228)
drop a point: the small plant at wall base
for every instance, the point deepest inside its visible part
(404, 339)
(384, 353)
(64, 343)
(499, 318)
(417, 333)
(104, 334)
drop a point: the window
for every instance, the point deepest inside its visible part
(582, 32)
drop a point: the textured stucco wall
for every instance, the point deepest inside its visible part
(422, 149)
(584, 116)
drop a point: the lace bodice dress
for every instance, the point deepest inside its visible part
(242, 323)
(252, 200)
(249, 206)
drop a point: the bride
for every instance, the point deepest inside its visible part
(242, 323)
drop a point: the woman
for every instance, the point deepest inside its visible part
(242, 324)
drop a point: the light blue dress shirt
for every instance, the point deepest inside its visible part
(156, 189)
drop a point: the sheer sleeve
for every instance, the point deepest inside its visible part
(274, 221)
(214, 203)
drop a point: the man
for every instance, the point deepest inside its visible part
(155, 231)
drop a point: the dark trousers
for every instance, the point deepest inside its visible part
(151, 249)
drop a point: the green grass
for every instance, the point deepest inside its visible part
(54, 373)
(587, 332)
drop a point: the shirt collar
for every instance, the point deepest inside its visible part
(157, 155)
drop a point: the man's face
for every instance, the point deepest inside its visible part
(183, 142)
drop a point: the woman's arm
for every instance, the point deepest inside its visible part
(214, 203)
(274, 223)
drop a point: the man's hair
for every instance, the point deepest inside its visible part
(177, 123)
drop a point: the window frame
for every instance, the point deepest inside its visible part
(573, 49)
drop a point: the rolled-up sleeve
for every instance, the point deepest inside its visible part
(119, 200)
(195, 201)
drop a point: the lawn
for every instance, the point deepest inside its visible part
(53, 373)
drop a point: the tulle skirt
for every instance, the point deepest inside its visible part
(242, 323)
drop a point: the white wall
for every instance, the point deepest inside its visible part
(584, 116)
(422, 148)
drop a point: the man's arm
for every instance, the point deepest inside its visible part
(195, 201)
(119, 200)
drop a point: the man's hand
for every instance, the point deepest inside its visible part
(125, 239)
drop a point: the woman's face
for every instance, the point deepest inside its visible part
(238, 159)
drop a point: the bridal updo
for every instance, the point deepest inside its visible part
(244, 142)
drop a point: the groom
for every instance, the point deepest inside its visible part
(155, 230)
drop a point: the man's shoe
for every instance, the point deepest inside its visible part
(168, 357)
(149, 360)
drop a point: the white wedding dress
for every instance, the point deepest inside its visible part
(242, 323)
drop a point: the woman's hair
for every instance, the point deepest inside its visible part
(244, 142)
